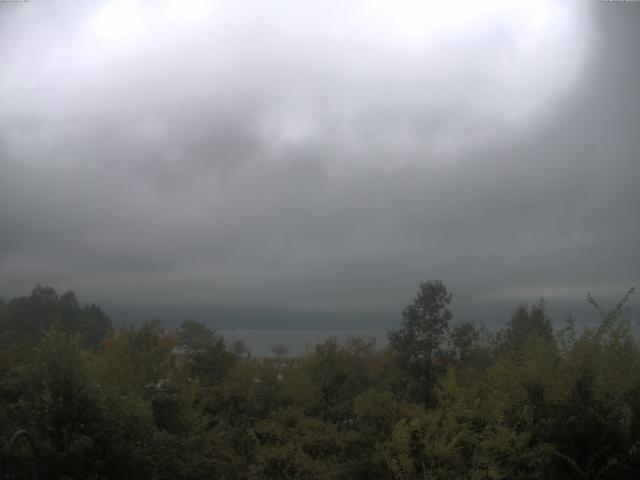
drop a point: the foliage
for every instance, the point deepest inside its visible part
(437, 403)
(27, 317)
(419, 343)
(525, 323)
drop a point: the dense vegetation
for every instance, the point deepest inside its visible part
(442, 401)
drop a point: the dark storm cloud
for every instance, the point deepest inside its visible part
(319, 158)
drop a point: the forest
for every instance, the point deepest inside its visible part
(443, 400)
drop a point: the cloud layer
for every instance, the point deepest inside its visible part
(323, 157)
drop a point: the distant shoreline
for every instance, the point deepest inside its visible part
(261, 342)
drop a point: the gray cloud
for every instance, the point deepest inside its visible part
(323, 158)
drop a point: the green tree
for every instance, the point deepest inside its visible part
(28, 317)
(419, 343)
(464, 338)
(194, 336)
(526, 322)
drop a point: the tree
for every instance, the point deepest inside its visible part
(419, 341)
(280, 351)
(240, 348)
(28, 317)
(60, 404)
(526, 322)
(194, 336)
(464, 337)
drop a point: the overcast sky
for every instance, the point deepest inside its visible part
(319, 156)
